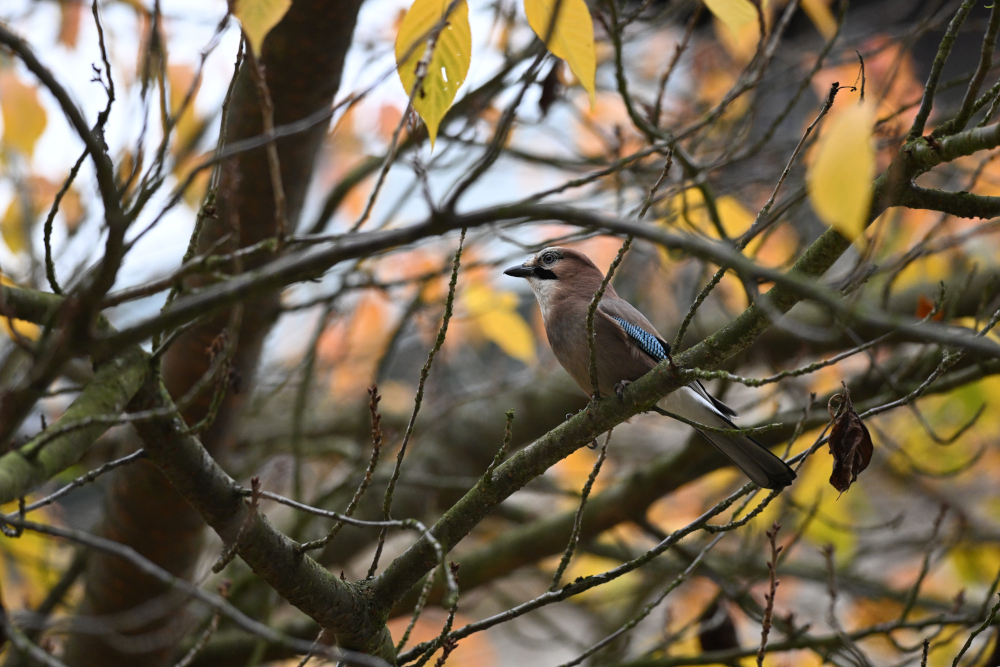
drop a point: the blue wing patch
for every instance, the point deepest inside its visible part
(646, 341)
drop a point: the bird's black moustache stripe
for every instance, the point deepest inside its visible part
(544, 274)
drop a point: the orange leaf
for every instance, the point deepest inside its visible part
(69, 22)
(924, 308)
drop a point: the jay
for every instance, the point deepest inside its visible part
(564, 282)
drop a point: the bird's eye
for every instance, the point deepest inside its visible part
(548, 257)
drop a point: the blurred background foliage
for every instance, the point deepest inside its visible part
(917, 535)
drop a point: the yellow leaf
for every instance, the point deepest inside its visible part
(975, 325)
(448, 65)
(572, 39)
(973, 563)
(840, 177)
(819, 13)
(12, 226)
(741, 45)
(495, 314)
(509, 330)
(258, 17)
(27, 329)
(690, 205)
(734, 13)
(23, 114)
(31, 564)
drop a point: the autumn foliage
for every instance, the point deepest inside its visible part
(265, 240)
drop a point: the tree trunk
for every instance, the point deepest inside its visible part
(303, 58)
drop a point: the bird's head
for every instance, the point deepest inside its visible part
(554, 270)
(555, 263)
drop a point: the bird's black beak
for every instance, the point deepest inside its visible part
(521, 271)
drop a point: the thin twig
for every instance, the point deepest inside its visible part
(940, 58)
(273, 165)
(86, 479)
(958, 123)
(592, 311)
(452, 602)
(502, 452)
(50, 267)
(911, 600)
(230, 551)
(574, 537)
(213, 625)
(975, 633)
(758, 224)
(418, 399)
(773, 582)
(373, 402)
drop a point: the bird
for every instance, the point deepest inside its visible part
(564, 281)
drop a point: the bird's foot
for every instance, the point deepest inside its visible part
(673, 366)
(593, 444)
(620, 389)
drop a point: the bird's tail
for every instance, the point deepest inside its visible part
(754, 459)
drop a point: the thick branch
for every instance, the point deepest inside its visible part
(629, 498)
(114, 385)
(792, 286)
(926, 154)
(43, 457)
(959, 204)
(218, 498)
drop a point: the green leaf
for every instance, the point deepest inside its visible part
(840, 177)
(572, 39)
(258, 17)
(449, 63)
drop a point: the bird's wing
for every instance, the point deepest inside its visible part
(643, 336)
(645, 341)
(637, 329)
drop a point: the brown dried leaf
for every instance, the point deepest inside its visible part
(850, 443)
